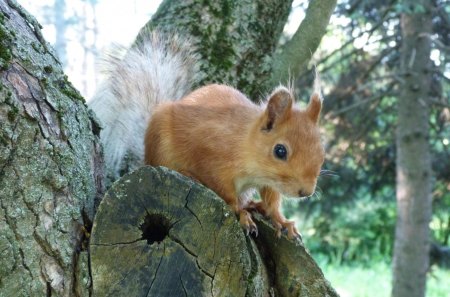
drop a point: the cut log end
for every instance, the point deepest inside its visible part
(158, 233)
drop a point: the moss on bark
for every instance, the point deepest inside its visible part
(238, 40)
(235, 39)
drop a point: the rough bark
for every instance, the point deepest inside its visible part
(413, 154)
(50, 170)
(158, 233)
(237, 39)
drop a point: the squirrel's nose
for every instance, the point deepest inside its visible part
(302, 193)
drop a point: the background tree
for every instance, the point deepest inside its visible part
(72, 29)
(360, 113)
(414, 185)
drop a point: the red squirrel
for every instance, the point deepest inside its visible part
(217, 136)
(213, 134)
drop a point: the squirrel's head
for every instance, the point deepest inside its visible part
(288, 145)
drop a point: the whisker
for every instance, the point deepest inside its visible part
(331, 173)
(327, 171)
(316, 196)
(318, 189)
(317, 193)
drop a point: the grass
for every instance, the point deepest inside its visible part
(360, 281)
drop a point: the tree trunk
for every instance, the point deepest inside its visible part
(50, 169)
(237, 39)
(413, 154)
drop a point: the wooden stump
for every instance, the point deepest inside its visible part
(158, 233)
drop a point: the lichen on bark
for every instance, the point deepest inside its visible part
(50, 170)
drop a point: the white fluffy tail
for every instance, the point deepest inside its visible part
(160, 68)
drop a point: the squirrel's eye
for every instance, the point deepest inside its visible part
(280, 151)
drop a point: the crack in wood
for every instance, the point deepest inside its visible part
(157, 268)
(192, 254)
(190, 210)
(182, 286)
(117, 243)
(212, 280)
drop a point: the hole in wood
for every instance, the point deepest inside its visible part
(155, 228)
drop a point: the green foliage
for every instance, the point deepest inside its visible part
(361, 281)
(401, 7)
(354, 219)
(361, 230)
(440, 223)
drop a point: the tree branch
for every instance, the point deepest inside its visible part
(298, 51)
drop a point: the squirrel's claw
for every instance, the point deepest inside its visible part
(251, 229)
(293, 233)
(247, 223)
(289, 226)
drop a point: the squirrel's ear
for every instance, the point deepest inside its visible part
(314, 107)
(278, 107)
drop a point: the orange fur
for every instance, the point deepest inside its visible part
(220, 138)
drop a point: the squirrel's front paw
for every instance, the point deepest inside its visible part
(290, 227)
(247, 223)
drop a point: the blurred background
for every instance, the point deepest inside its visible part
(349, 225)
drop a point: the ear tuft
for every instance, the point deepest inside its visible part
(278, 107)
(316, 99)
(314, 107)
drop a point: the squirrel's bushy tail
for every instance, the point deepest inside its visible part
(160, 67)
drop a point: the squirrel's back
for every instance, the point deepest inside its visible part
(203, 133)
(159, 68)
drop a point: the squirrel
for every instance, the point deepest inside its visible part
(214, 134)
